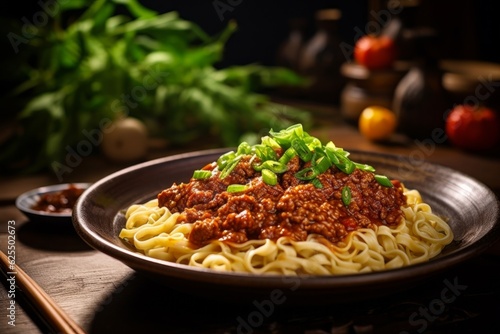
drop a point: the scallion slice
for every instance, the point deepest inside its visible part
(365, 167)
(345, 165)
(330, 153)
(287, 155)
(346, 195)
(229, 167)
(285, 137)
(384, 181)
(265, 153)
(269, 177)
(275, 166)
(236, 188)
(201, 174)
(244, 148)
(322, 165)
(268, 141)
(302, 150)
(225, 159)
(317, 183)
(306, 174)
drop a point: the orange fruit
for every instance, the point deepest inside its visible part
(377, 123)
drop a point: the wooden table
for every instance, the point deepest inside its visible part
(103, 295)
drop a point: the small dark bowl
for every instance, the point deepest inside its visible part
(27, 200)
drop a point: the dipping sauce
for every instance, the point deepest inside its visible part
(60, 201)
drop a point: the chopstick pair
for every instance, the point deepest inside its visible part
(52, 313)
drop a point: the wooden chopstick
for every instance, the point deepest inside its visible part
(47, 306)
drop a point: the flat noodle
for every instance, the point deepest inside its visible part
(421, 236)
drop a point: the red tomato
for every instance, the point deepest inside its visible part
(472, 128)
(375, 52)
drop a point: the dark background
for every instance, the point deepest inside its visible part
(469, 29)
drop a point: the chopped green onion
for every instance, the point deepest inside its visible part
(330, 145)
(322, 165)
(293, 141)
(244, 148)
(229, 167)
(317, 183)
(364, 167)
(274, 166)
(384, 181)
(285, 137)
(269, 177)
(225, 159)
(236, 188)
(314, 158)
(201, 174)
(302, 150)
(340, 151)
(346, 195)
(265, 153)
(287, 155)
(345, 165)
(330, 153)
(306, 174)
(312, 142)
(319, 167)
(268, 141)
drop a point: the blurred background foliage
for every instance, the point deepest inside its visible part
(183, 67)
(106, 59)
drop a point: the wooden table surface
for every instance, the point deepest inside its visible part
(105, 296)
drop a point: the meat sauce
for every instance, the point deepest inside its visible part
(61, 201)
(291, 208)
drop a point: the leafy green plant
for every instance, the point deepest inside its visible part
(92, 63)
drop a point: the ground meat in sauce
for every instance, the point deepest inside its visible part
(291, 208)
(59, 202)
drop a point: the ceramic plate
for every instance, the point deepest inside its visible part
(471, 207)
(27, 200)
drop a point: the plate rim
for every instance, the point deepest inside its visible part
(140, 261)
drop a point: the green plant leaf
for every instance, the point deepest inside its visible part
(99, 20)
(157, 67)
(53, 144)
(44, 101)
(70, 52)
(203, 56)
(137, 9)
(114, 22)
(73, 4)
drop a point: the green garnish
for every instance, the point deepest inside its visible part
(317, 183)
(201, 174)
(365, 167)
(265, 153)
(384, 181)
(230, 166)
(306, 174)
(228, 157)
(303, 151)
(288, 155)
(269, 177)
(295, 142)
(272, 165)
(346, 195)
(236, 188)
